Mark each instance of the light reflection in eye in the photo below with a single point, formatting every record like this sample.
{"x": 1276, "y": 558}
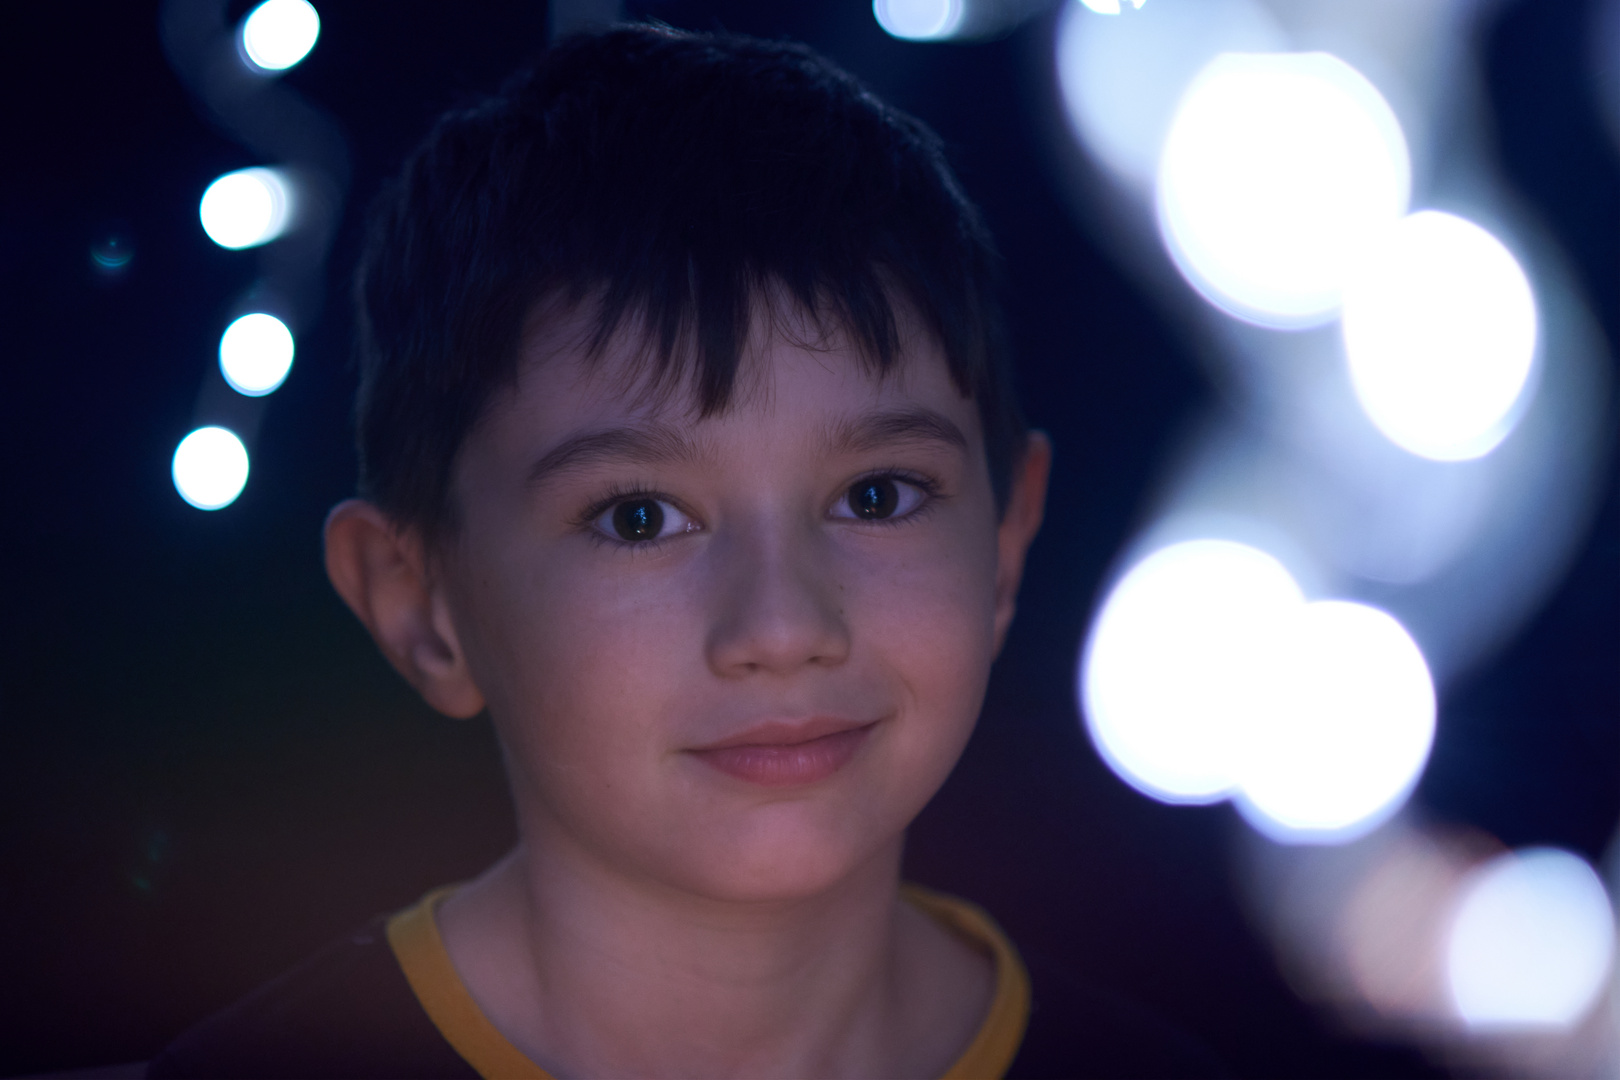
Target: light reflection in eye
{"x": 879, "y": 498}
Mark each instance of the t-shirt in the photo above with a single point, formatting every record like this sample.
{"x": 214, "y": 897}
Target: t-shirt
{"x": 387, "y": 1002}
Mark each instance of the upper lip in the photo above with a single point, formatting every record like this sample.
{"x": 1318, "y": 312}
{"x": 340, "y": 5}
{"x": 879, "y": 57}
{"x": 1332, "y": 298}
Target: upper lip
{"x": 787, "y": 732}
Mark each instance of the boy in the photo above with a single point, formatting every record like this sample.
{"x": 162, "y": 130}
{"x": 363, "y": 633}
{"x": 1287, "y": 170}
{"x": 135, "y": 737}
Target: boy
{"x": 688, "y": 454}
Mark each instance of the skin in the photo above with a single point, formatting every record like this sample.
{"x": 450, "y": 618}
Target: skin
{"x": 659, "y": 916}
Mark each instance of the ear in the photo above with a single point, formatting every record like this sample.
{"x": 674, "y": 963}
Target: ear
{"x": 382, "y": 573}
{"x": 1026, "y": 505}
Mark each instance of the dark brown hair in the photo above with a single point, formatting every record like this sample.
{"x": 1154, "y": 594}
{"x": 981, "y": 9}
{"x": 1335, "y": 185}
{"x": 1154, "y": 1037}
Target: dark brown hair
{"x": 673, "y": 178}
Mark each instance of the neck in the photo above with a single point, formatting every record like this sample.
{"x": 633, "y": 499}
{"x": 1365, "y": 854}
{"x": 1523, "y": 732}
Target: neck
{"x": 589, "y": 973}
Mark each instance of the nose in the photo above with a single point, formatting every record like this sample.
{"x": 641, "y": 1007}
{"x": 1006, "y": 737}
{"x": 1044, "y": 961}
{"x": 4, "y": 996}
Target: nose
{"x": 777, "y": 606}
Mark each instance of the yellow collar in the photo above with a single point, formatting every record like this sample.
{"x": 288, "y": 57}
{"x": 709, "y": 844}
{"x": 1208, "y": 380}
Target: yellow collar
{"x": 414, "y": 936}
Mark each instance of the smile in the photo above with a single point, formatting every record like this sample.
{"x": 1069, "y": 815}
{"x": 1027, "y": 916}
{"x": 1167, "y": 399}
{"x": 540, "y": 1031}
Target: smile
{"x": 786, "y": 755}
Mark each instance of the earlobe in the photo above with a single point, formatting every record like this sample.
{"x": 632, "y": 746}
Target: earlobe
{"x": 381, "y": 572}
{"x": 1026, "y": 506}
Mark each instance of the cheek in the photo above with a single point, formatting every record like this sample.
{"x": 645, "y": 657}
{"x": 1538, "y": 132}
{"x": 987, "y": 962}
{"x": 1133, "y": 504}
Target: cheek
{"x": 929, "y": 619}
{"x": 578, "y": 666}
{"x": 932, "y": 609}
{"x": 600, "y": 643}
{"x": 592, "y": 668}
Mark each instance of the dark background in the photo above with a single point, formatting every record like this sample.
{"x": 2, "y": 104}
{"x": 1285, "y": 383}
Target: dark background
{"x": 206, "y": 770}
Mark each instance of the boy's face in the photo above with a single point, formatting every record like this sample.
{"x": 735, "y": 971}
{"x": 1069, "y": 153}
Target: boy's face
{"x": 734, "y": 655}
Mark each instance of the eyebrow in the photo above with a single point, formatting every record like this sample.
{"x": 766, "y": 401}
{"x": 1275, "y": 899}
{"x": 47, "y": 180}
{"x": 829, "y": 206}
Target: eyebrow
{"x": 662, "y": 444}
{"x": 876, "y": 430}
{"x": 649, "y": 444}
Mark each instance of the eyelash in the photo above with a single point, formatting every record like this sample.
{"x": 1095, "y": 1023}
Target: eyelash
{"x": 587, "y": 520}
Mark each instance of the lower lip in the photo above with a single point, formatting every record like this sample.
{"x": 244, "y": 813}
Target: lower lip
{"x": 787, "y": 766}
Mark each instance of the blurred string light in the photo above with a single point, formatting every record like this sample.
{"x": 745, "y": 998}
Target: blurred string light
{"x": 1109, "y": 7}
{"x": 255, "y": 354}
{"x": 278, "y": 34}
{"x": 1207, "y": 676}
{"x": 246, "y": 208}
{"x": 1439, "y": 330}
{"x": 229, "y": 69}
{"x": 1531, "y": 942}
{"x": 1277, "y": 169}
{"x": 919, "y": 20}
{"x": 1121, "y": 78}
{"x": 210, "y": 468}
{"x": 1376, "y": 455}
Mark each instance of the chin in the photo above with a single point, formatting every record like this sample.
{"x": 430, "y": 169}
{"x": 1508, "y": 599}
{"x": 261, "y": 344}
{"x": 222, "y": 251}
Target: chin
{"x": 784, "y": 858}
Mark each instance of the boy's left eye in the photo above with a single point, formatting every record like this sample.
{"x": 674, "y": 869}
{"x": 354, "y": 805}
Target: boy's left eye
{"x": 636, "y": 521}
{"x": 877, "y": 498}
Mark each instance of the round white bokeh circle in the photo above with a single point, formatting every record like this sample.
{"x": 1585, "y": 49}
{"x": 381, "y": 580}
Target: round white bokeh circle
{"x": 1440, "y": 335}
{"x": 1276, "y": 169}
{"x": 279, "y": 33}
{"x": 919, "y": 20}
{"x": 1350, "y": 729}
{"x": 210, "y": 468}
{"x": 1531, "y": 941}
{"x": 256, "y": 353}
{"x": 246, "y": 208}
{"x": 1179, "y": 657}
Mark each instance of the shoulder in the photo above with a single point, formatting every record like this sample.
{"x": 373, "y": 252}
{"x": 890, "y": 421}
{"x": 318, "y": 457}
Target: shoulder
{"x": 347, "y": 1011}
{"x": 1077, "y": 1028}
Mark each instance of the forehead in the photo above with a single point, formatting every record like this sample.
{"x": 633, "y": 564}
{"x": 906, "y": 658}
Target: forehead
{"x": 794, "y": 369}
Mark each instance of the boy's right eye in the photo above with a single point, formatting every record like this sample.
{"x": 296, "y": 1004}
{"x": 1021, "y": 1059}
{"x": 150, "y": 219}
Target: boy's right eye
{"x": 636, "y": 521}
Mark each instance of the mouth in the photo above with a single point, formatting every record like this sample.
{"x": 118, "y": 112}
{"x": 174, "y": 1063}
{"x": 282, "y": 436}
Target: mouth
{"x": 778, "y": 754}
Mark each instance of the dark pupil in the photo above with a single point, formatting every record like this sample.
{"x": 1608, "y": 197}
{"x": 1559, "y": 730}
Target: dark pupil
{"x": 642, "y": 519}
{"x": 873, "y": 499}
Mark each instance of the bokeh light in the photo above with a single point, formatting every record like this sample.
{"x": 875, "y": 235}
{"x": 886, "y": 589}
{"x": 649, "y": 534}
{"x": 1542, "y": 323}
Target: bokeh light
{"x": 919, "y": 20}
{"x": 1179, "y": 659}
{"x": 1207, "y": 675}
{"x": 1531, "y": 942}
{"x": 1440, "y": 334}
{"x": 1121, "y": 78}
{"x": 245, "y": 208}
{"x": 1352, "y": 729}
{"x": 279, "y": 33}
{"x": 1276, "y": 170}
{"x": 210, "y": 468}
{"x": 1109, "y": 7}
{"x": 255, "y": 354}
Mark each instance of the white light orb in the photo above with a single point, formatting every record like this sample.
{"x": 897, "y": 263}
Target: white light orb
{"x": 255, "y": 354}
{"x": 1440, "y": 334}
{"x": 1180, "y": 656}
{"x": 1351, "y": 729}
{"x": 1530, "y": 943}
{"x": 1121, "y": 78}
{"x": 210, "y": 468}
{"x": 1276, "y": 169}
{"x": 279, "y": 33}
{"x": 246, "y": 208}
{"x": 1108, "y": 7}
{"x": 919, "y": 20}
